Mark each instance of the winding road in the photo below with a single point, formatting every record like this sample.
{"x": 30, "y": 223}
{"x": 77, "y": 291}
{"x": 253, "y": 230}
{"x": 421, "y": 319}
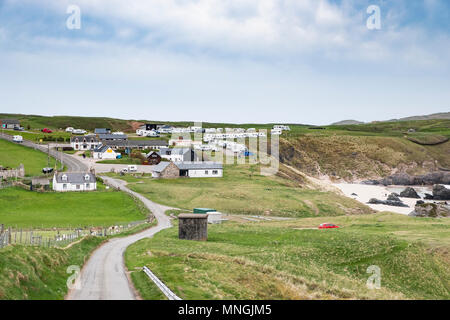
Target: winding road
{"x": 104, "y": 275}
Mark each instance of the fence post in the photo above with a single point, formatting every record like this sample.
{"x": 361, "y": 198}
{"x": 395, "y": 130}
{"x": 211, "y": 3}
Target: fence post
{"x": 9, "y": 235}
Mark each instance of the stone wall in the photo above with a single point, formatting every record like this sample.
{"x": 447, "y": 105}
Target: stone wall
{"x": 171, "y": 171}
{"x": 12, "y": 173}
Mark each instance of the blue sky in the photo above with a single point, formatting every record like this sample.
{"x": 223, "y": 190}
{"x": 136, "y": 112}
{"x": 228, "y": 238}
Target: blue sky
{"x": 295, "y": 61}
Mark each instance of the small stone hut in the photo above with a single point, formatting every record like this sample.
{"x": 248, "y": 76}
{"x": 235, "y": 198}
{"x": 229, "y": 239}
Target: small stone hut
{"x": 193, "y": 226}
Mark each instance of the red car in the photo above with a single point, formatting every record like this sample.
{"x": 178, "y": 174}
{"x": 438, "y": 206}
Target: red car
{"x": 47, "y": 130}
{"x": 328, "y": 226}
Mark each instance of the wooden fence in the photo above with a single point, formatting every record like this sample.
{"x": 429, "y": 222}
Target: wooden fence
{"x": 53, "y": 237}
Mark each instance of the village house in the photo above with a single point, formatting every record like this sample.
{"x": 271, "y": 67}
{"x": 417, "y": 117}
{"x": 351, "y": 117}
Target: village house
{"x": 74, "y": 181}
{"x": 102, "y": 131}
{"x": 104, "y": 152}
{"x": 10, "y": 123}
{"x": 89, "y": 142}
{"x": 179, "y": 154}
{"x": 193, "y": 169}
{"x": 137, "y": 144}
{"x": 153, "y": 158}
{"x": 106, "y": 137}
{"x": 200, "y": 169}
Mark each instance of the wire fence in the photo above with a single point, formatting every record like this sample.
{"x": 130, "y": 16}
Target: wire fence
{"x": 54, "y": 237}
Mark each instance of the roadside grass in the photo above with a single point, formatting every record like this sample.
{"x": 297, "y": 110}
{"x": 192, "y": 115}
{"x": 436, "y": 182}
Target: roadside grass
{"x": 275, "y": 260}
{"x": 36, "y": 273}
{"x": 23, "y": 209}
{"x": 243, "y": 190}
{"x": 12, "y": 155}
{"x": 39, "y": 273}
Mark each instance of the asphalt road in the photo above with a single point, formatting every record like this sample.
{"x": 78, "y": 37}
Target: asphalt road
{"x": 104, "y": 277}
{"x": 73, "y": 165}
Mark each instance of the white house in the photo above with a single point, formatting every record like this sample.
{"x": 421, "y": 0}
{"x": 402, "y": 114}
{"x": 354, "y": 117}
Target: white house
{"x": 74, "y": 181}
{"x": 200, "y": 169}
{"x": 104, "y": 152}
{"x": 89, "y": 142}
{"x": 192, "y": 169}
{"x": 179, "y": 154}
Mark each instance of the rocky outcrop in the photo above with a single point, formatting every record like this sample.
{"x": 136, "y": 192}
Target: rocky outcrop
{"x": 409, "y": 193}
{"x": 431, "y": 210}
{"x": 437, "y": 177}
{"x": 394, "y": 197}
{"x": 441, "y": 193}
{"x": 388, "y": 202}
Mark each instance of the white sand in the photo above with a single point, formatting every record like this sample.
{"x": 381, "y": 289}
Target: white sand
{"x": 366, "y": 192}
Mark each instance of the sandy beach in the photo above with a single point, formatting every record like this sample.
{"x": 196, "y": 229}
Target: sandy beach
{"x": 365, "y": 192}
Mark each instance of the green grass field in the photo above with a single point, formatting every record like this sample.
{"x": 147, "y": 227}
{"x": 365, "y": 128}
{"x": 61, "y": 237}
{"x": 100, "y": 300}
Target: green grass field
{"x": 244, "y": 190}
{"x": 288, "y": 260}
{"x": 12, "y": 155}
{"x": 21, "y": 208}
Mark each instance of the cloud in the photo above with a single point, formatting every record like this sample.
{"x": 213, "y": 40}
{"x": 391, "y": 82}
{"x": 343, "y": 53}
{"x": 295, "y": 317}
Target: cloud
{"x": 165, "y": 56}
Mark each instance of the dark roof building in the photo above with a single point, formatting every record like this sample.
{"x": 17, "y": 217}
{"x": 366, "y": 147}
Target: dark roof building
{"x": 109, "y": 136}
{"x": 10, "y": 123}
{"x": 75, "y": 177}
{"x": 198, "y": 165}
{"x": 137, "y": 144}
{"x": 102, "y": 131}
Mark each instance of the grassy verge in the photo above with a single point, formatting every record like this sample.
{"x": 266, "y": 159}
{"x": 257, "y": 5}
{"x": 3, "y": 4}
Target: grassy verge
{"x": 289, "y": 260}
{"x": 243, "y": 190}
{"x": 40, "y": 273}
{"x": 12, "y": 155}
{"x": 23, "y": 208}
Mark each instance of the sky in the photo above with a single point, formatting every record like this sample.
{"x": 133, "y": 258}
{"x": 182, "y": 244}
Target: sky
{"x": 238, "y": 61}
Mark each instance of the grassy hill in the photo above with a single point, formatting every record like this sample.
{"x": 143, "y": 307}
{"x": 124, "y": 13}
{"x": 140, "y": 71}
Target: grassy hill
{"x": 244, "y": 190}
{"x": 62, "y": 122}
{"x": 368, "y": 150}
{"x": 294, "y": 260}
{"x": 12, "y": 155}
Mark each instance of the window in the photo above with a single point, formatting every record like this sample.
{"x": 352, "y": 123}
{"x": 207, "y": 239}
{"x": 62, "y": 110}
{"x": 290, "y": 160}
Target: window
{"x": 86, "y": 177}
{"x": 215, "y": 172}
{"x": 64, "y": 177}
{"x": 206, "y": 171}
{"x": 65, "y": 186}
{"x": 78, "y": 187}
{"x": 88, "y": 186}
